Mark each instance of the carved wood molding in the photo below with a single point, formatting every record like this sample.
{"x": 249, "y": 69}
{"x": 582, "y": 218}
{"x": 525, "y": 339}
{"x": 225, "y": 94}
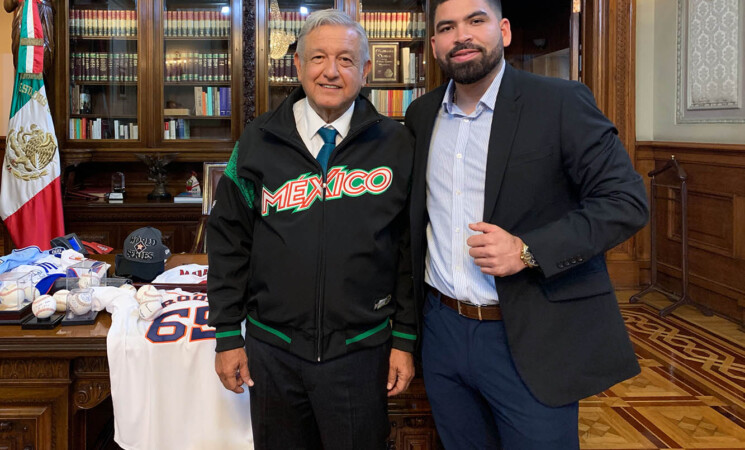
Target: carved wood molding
{"x": 609, "y": 70}
{"x": 88, "y": 394}
{"x": 249, "y": 60}
{"x": 102, "y": 214}
{"x": 622, "y": 78}
{"x": 31, "y": 369}
{"x": 722, "y": 155}
{"x": 96, "y": 365}
{"x": 692, "y": 146}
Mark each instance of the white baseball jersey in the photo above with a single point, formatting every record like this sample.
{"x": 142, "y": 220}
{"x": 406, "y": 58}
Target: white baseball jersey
{"x": 184, "y": 274}
{"x": 164, "y": 388}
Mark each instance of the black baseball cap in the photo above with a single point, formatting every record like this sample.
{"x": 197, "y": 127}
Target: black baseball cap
{"x": 144, "y": 255}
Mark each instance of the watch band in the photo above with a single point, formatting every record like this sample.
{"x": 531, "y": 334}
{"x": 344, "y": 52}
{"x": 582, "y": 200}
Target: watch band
{"x": 527, "y": 257}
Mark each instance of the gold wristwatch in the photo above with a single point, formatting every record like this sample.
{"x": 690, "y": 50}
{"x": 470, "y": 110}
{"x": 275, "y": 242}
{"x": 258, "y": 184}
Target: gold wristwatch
{"x": 527, "y": 257}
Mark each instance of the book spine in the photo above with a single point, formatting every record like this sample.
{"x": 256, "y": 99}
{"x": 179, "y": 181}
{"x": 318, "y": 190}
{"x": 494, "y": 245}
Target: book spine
{"x": 210, "y": 102}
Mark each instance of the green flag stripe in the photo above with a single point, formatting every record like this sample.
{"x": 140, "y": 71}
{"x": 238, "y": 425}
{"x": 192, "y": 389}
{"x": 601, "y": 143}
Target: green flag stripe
{"x": 24, "y": 18}
{"x": 22, "y": 55}
{"x": 24, "y": 89}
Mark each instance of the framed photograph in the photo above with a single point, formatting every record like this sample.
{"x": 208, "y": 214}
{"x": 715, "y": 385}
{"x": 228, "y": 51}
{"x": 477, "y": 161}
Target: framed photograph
{"x": 212, "y": 174}
{"x": 384, "y": 62}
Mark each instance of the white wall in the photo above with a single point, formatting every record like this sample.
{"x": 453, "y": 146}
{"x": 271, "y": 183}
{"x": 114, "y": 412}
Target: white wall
{"x": 656, "y": 75}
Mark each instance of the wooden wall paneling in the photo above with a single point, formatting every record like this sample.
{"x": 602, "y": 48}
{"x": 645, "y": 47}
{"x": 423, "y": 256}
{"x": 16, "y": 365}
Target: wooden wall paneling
{"x": 716, "y": 222}
{"x": 34, "y": 409}
{"x": 91, "y": 387}
{"x": 110, "y": 224}
{"x": 23, "y": 427}
{"x": 608, "y": 68}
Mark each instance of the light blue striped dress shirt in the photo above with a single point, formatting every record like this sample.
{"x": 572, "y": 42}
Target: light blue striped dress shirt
{"x": 456, "y": 173}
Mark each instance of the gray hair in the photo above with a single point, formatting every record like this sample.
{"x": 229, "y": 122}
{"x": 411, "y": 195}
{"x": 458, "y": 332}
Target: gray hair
{"x": 333, "y": 17}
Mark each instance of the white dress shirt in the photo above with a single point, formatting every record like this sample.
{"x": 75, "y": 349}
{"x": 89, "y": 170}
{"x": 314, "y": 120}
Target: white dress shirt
{"x": 308, "y": 122}
{"x": 456, "y": 173}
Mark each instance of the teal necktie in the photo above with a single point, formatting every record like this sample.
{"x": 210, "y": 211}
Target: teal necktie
{"x": 329, "y": 142}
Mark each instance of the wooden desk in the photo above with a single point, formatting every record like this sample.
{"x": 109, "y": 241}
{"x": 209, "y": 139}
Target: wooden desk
{"x": 49, "y": 378}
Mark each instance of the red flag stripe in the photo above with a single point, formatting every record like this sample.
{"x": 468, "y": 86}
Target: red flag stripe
{"x": 38, "y": 32}
{"x": 38, "y": 219}
{"x": 38, "y": 59}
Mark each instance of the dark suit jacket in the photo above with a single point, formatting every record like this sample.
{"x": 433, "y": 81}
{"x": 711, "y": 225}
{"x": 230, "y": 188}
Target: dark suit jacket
{"x": 558, "y": 177}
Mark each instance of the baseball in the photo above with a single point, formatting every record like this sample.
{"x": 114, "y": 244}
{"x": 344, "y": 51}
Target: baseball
{"x": 79, "y": 301}
{"x": 128, "y": 287}
{"x": 61, "y": 298}
{"x": 148, "y": 293}
{"x": 11, "y": 294}
{"x": 44, "y": 306}
{"x": 150, "y": 310}
{"x": 30, "y": 293}
{"x": 88, "y": 279}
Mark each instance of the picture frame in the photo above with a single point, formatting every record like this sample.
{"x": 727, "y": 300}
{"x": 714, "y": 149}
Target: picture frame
{"x": 213, "y": 171}
{"x": 384, "y": 56}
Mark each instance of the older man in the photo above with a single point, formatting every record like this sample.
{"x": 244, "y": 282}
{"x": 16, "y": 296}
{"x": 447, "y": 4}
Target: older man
{"x": 308, "y": 241}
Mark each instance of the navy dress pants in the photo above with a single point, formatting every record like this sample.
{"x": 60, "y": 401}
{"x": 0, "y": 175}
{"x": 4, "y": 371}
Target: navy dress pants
{"x": 477, "y": 396}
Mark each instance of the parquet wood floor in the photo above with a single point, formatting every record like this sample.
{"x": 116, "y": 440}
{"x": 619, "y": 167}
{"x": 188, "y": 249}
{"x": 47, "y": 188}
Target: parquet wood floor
{"x": 689, "y": 395}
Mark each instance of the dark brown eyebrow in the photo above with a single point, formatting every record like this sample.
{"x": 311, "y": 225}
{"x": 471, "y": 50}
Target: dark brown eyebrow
{"x": 480, "y": 12}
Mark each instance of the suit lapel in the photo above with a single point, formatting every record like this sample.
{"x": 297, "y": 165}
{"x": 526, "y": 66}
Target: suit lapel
{"x": 423, "y": 139}
{"x": 504, "y": 125}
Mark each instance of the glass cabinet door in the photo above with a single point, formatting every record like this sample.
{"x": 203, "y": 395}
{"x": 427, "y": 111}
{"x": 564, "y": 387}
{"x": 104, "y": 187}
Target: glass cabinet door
{"x": 285, "y": 18}
{"x": 103, "y": 70}
{"x": 197, "y": 84}
{"x": 397, "y": 33}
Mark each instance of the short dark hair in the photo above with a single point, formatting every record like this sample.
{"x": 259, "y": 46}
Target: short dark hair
{"x": 495, "y": 4}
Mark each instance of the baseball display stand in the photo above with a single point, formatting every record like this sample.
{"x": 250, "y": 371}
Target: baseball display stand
{"x": 678, "y": 184}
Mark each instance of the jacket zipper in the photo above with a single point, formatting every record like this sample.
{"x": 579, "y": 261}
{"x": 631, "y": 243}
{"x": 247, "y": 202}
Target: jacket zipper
{"x": 321, "y": 273}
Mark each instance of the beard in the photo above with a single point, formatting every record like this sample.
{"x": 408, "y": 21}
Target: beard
{"x": 471, "y": 71}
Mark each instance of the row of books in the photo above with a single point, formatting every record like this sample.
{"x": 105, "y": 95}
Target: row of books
{"x": 100, "y": 128}
{"x": 95, "y": 66}
{"x": 394, "y": 102}
{"x": 283, "y": 70}
{"x": 102, "y": 23}
{"x": 196, "y": 66}
{"x": 288, "y": 21}
{"x": 176, "y": 129}
{"x": 212, "y": 101}
{"x": 393, "y": 25}
{"x": 412, "y": 66}
{"x": 196, "y": 23}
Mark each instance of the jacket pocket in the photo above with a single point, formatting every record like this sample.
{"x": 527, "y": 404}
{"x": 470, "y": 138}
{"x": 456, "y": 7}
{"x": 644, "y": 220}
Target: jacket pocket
{"x": 517, "y": 158}
{"x": 589, "y": 280}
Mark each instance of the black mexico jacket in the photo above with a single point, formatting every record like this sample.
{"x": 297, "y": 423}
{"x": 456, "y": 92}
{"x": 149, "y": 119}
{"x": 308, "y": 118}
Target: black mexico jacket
{"x": 318, "y": 267}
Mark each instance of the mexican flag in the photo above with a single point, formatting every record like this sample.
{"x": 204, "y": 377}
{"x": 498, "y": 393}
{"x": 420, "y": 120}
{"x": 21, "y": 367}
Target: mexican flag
{"x": 30, "y": 194}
